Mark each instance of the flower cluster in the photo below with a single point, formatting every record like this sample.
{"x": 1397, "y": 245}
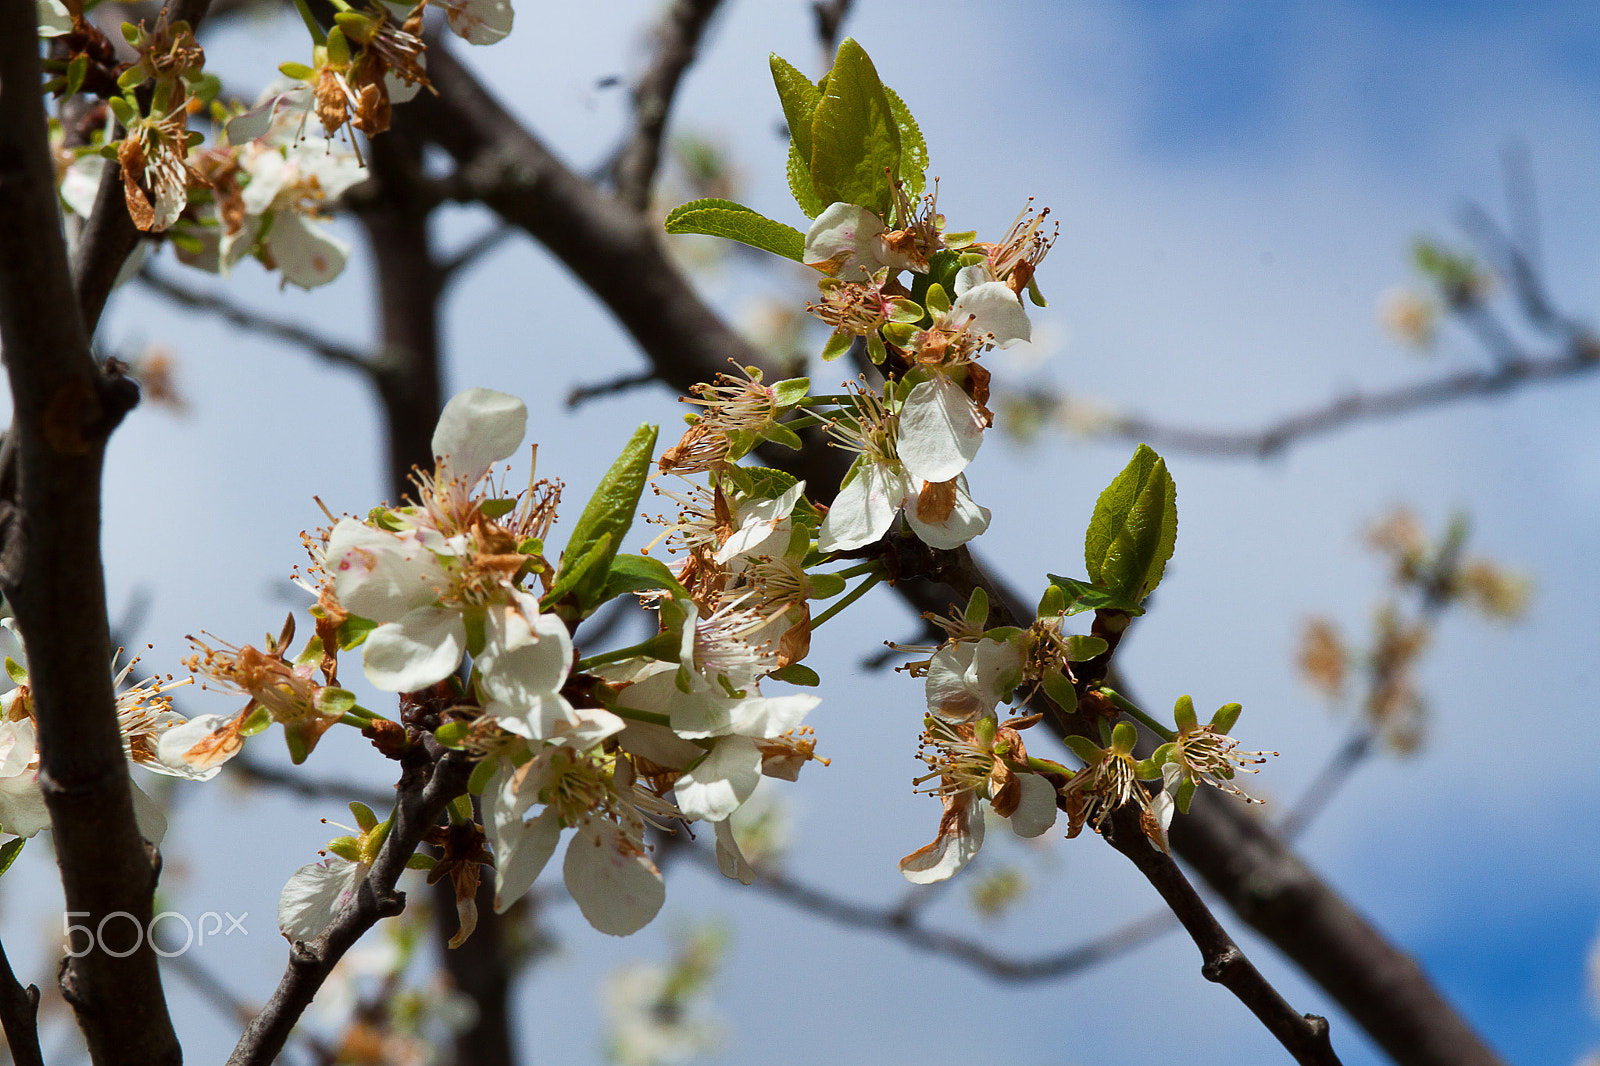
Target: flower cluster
{"x": 154, "y": 736}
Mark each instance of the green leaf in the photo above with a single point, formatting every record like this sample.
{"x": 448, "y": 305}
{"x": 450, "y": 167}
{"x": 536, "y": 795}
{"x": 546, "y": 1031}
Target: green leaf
{"x": 10, "y": 851}
{"x": 1134, "y": 528}
{"x": 736, "y": 222}
{"x": 495, "y": 508}
{"x": 1082, "y": 596}
{"x": 797, "y": 674}
{"x": 977, "y": 612}
{"x": 296, "y": 71}
{"x": 790, "y": 391}
{"x": 799, "y": 173}
{"x": 353, "y": 632}
{"x": 825, "y": 586}
{"x": 855, "y": 140}
{"x": 453, "y": 734}
{"x": 913, "y": 149}
{"x": 635, "y": 573}
{"x": 761, "y": 482}
{"x": 800, "y": 96}
{"x": 1080, "y": 649}
{"x": 609, "y": 514}
{"x": 571, "y": 575}
{"x": 1058, "y": 688}
{"x": 77, "y": 70}
{"x": 481, "y": 774}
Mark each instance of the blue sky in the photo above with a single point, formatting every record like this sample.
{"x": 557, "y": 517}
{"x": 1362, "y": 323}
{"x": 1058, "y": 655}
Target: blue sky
{"x": 1237, "y": 186}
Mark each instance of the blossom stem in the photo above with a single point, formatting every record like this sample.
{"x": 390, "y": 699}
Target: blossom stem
{"x": 653, "y": 717}
{"x": 649, "y": 649}
{"x": 1128, "y": 707}
{"x": 355, "y": 720}
{"x": 316, "y": 31}
{"x": 806, "y": 422}
{"x": 845, "y": 601}
{"x": 870, "y": 566}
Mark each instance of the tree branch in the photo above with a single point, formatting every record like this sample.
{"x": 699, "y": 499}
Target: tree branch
{"x": 676, "y": 42}
{"x": 64, "y": 410}
{"x": 424, "y": 792}
{"x": 253, "y": 321}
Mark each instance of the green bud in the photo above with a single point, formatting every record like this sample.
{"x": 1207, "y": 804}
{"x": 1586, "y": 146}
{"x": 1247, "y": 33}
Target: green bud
{"x": 363, "y": 816}
{"x": 1053, "y": 602}
{"x": 1084, "y": 748}
{"x": 1058, "y": 688}
{"x": 1183, "y": 714}
{"x": 1124, "y": 737}
{"x": 1225, "y": 717}
{"x": 977, "y": 613}
{"x": 984, "y": 730}
{"x": 346, "y": 848}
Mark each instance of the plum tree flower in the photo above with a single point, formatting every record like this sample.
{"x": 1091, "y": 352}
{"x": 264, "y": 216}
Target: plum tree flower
{"x": 878, "y": 487}
{"x": 607, "y": 868}
{"x": 316, "y": 892}
{"x": 443, "y": 560}
{"x": 852, "y": 243}
{"x": 972, "y": 762}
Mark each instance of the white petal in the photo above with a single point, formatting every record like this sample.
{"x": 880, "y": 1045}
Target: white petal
{"x": 966, "y": 521}
{"x": 730, "y": 860}
{"x": 521, "y": 851}
{"x": 615, "y": 884}
{"x": 864, "y": 509}
{"x": 846, "y": 232}
{"x": 147, "y": 814}
{"x": 949, "y": 695}
{"x": 379, "y": 575}
{"x": 423, "y": 647}
{"x": 761, "y": 528}
{"x": 479, "y": 21}
{"x": 477, "y": 428}
{"x": 960, "y": 837}
{"x": 269, "y": 173}
{"x": 18, "y": 745}
{"x": 22, "y": 809}
{"x": 658, "y": 744}
{"x": 306, "y": 254}
{"x": 81, "y": 184}
{"x": 524, "y": 663}
{"x": 769, "y": 716}
{"x": 314, "y": 894}
{"x": 188, "y": 749}
{"x": 940, "y": 430}
{"x": 1036, "y": 810}
{"x": 995, "y": 310}
{"x": 53, "y": 17}
{"x": 721, "y": 782}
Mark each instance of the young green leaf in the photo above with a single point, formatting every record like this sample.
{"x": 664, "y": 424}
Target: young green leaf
{"x": 855, "y": 140}
{"x": 913, "y": 149}
{"x": 1082, "y": 596}
{"x": 609, "y": 514}
{"x": 9, "y": 852}
{"x": 800, "y": 96}
{"x": 799, "y": 172}
{"x": 1134, "y": 528}
{"x": 736, "y": 222}
{"x": 636, "y": 573}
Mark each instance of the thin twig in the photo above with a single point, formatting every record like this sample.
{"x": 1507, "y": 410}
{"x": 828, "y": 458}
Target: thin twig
{"x": 474, "y": 250}
{"x": 1513, "y": 372}
{"x": 905, "y": 928}
{"x": 297, "y": 784}
{"x": 677, "y": 41}
{"x": 582, "y": 394}
{"x": 1305, "y": 1036}
{"x": 19, "y": 1013}
{"x": 253, "y": 321}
